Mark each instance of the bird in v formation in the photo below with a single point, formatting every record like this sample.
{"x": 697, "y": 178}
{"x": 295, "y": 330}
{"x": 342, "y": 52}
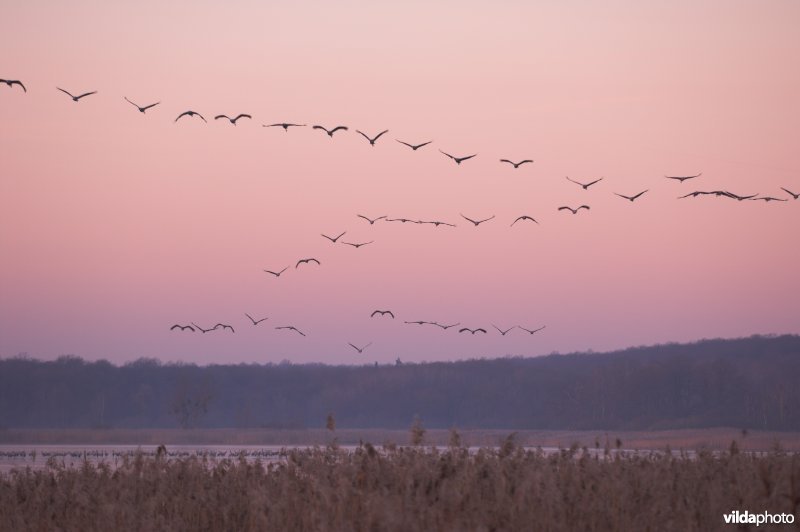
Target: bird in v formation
{"x": 473, "y": 331}
{"x": 523, "y": 217}
{"x": 459, "y": 160}
{"x": 792, "y": 194}
{"x": 631, "y": 198}
{"x": 573, "y": 211}
{"x": 306, "y": 261}
{"x": 359, "y": 349}
{"x": 371, "y": 220}
{"x": 330, "y": 132}
{"x": 516, "y": 165}
{"x": 190, "y": 114}
{"x": 357, "y": 244}
{"x": 139, "y": 107}
{"x": 414, "y": 147}
{"x": 477, "y": 222}
{"x": 291, "y": 328}
{"x": 503, "y": 332}
{"x": 277, "y": 274}
{"x": 12, "y": 82}
{"x": 372, "y": 140}
{"x": 332, "y": 239}
{"x": 75, "y": 98}
{"x": 531, "y": 331}
{"x": 683, "y": 178}
{"x": 255, "y": 321}
{"x": 284, "y": 125}
{"x": 584, "y": 185}
{"x": 233, "y": 120}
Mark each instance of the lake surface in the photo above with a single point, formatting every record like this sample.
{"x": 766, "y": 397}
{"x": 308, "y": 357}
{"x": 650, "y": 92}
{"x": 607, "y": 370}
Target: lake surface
{"x": 37, "y": 456}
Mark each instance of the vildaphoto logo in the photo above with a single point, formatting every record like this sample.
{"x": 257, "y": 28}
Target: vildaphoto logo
{"x": 764, "y": 518}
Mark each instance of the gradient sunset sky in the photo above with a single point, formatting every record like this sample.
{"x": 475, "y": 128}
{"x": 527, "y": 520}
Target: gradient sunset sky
{"x": 115, "y": 225}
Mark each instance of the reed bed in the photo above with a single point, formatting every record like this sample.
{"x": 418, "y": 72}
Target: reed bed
{"x": 407, "y": 489}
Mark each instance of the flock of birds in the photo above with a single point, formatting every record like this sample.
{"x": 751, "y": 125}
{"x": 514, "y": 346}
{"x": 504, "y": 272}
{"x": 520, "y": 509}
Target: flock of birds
{"x": 193, "y": 327}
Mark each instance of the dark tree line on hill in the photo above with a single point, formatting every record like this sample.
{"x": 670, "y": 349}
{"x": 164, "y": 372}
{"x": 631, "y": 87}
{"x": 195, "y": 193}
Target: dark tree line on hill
{"x": 746, "y": 383}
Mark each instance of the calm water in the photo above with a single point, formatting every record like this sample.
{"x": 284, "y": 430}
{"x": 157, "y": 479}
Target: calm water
{"x": 37, "y": 456}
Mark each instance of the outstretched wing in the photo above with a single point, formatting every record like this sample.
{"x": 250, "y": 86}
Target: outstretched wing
{"x": 65, "y": 92}
{"x": 86, "y": 94}
{"x": 151, "y": 105}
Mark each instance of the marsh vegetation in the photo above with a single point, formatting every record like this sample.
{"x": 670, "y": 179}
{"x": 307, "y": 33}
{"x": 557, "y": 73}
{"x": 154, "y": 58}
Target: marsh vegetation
{"x": 406, "y": 488}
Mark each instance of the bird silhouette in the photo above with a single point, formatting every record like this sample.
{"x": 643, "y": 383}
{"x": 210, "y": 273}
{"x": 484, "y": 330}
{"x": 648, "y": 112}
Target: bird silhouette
{"x": 224, "y": 326}
{"x": 584, "y": 185}
{"x": 445, "y": 327}
{"x": 333, "y": 239}
{"x": 181, "y": 327}
{"x": 478, "y": 222}
{"x": 516, "y": 165}
{"x": 418, "y": 322}
{"x": 403, "y": 220}
{"x": 277, "y": 274}
{"x": 357, "y": 245}
{"x": 695, "y": 194}
{"x": 284, "y": 125}
{"x": 330, "y": 132}
{"x": 382, "y": 313}
{"x": 768, "y": 199}
{"x": 306, "y": 261}
{"x": 473, "y": 331}
{"x": 524, "y": 217}
{"x": 740, "y": 198}
{"x": 529, "y": 331}
{"x": 373, "y": 139}
{"x": 631, "y": 198}
{"x": 458, "y": 160}
{"x": 190, "y": 113}
{"x": 683, "y": 178}
{"x": 140, "y": 108}
{"x": 12, "y": 82}
{"x": 574, "y": 211}
{"x": 75, "y": 98}
{"x": 437, "y": 223}
{"x": 359, "y": 349}
{"x": 792, "y": 194}
{"x": 255, "y": 321}
{"x": 233, "y": 120}
{"x": 414, "y": 147}
{"x": 501, "y": 331}
{"x": 291, "y": 328}
{"x": 371, "y": 221}
{"x": 203, "y": 330}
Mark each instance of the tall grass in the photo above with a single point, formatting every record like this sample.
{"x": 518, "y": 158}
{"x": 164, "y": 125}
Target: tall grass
{"x": 407, "y": 489}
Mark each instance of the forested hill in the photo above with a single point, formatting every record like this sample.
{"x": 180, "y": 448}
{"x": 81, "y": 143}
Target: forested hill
{"x": 745, "y": 383}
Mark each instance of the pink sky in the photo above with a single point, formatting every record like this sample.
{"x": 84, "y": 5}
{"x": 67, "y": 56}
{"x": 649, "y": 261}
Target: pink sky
{"x": 116, "y": 225}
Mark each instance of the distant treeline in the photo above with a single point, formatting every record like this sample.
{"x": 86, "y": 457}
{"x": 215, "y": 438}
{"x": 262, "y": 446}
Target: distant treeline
{"x": 747, "y": 383}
